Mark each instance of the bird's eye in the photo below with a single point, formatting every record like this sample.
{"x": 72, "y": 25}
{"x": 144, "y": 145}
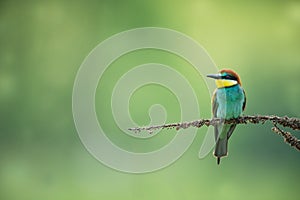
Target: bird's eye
{"x": 228, "y": 77}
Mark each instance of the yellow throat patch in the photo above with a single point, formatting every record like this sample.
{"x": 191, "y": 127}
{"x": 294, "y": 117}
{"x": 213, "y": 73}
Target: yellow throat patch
{"x": 221, "y": 83}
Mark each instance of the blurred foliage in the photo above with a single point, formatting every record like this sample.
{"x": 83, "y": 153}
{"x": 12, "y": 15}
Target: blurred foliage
{"x": 43, "y": 44}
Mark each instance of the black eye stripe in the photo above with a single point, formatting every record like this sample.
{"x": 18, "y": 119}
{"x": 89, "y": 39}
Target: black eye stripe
{"x": 229, "y": 77}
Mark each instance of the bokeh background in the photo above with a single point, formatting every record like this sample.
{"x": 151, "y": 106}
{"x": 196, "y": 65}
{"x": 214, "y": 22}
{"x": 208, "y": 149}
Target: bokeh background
{"x": 42, "y": 46}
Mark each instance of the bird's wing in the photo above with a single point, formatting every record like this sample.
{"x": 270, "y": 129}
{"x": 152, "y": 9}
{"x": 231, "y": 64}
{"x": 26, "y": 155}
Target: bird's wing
{"x": 215, "y": 104}
{"x": 244, "y": 103}
{"x": 230, "y": 131}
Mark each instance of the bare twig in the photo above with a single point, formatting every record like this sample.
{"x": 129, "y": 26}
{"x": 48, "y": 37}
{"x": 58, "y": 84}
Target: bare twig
{"x": 288, "y": 137}
{"x": 293, "y": 123}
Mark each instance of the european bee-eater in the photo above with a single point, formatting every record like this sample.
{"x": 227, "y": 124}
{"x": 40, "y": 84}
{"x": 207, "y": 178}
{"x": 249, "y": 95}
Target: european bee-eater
{"x": 228, "y": 102}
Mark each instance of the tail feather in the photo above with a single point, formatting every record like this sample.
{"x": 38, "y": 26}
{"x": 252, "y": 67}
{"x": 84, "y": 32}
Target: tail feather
{"x": 221, "y": 148}
{"x": 218, "y": 160}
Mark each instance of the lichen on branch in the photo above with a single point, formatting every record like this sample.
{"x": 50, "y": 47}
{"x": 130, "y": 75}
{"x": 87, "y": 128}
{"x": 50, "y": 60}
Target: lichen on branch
{"x": 293, "y": 123}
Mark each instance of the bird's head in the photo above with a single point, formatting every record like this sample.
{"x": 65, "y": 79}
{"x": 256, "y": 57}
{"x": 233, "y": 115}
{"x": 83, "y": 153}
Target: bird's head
{"x": 226, "y": 78}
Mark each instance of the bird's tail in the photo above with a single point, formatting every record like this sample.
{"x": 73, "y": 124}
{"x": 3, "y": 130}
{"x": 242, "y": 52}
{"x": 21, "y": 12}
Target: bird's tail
{"x": 221, "y": 148}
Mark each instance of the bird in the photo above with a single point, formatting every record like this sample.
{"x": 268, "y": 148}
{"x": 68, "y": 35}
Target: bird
{"x": 228, "y": 102}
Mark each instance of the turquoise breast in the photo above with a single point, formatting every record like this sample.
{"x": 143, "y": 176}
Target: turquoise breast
{"x": 230, "y": 102}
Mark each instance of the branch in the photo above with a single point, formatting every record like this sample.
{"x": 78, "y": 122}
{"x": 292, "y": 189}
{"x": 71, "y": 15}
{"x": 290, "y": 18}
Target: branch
{"x": 293, "y": 123}
{"x": 288, "y": 137}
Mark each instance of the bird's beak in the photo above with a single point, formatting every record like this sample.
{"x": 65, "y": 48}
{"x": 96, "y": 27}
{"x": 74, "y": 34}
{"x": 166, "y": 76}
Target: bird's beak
{"x": 214, "y": 76}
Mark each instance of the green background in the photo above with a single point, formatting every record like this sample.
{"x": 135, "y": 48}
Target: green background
{"x": 43, "y": 44}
